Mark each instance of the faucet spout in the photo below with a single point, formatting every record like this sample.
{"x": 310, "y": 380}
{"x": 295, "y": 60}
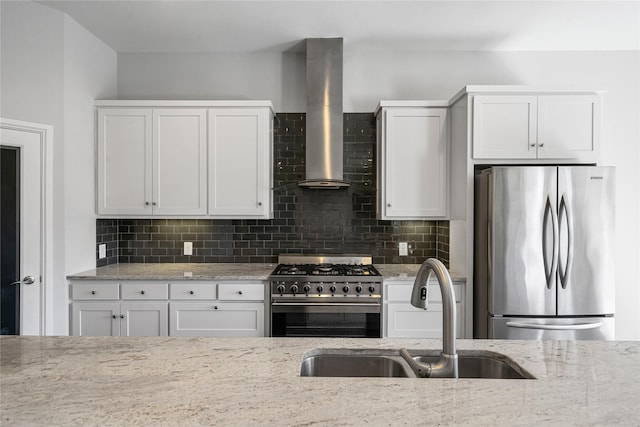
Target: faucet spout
{"x": 447, "y": 366}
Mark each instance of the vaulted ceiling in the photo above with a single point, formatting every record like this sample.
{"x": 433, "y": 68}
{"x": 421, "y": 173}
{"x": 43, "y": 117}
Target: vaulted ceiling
{"x": 185, "y": 26}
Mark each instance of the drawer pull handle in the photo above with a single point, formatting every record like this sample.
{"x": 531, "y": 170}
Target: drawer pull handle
{"x": 191, "y": 292}
{"x": 93, "y": 292}
{"x": 142, "y": 292}
{"x": 215, "y": 307}
{"x": 239, "y": 292}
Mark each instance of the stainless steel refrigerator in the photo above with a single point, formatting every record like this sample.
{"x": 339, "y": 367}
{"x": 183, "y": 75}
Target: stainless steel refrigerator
{"x": 544, "y": 253}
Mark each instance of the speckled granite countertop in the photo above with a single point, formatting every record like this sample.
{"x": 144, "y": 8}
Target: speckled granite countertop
{"x": 201, "y": 271}
{"x": 255, "y": 381}
{"x": 193, "y": 271}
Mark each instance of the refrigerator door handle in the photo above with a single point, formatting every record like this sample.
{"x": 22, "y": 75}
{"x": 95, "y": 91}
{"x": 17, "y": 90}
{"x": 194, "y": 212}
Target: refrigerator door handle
{"x": 577, "y": 326}
{"x": 566, "y": 270}
{"x": 550, "y": 273}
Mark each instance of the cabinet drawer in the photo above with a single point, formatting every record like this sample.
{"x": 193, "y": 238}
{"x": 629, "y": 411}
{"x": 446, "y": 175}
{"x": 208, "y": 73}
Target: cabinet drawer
{"x": 95, "y": 291}
{"x": 402, "y": 292}
{"x": 193, "y": 291}
{"x": 241, "y": 291}
{"x": 215, "y": 319}
{"x": 145, "y": 290}
{"x": 407, "y": 321}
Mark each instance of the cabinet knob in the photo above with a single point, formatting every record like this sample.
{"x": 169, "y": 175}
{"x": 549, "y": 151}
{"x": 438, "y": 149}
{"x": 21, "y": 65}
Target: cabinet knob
{"x": 388, "y": 205}
{"x": 541, "y": 144}
{"x": 93, "y": 292}
{"x": 153, "y": 203}
{"x": 146, "y": 203}
{"x": 259, "y": 203}
{"x": 122, "y": 316}
{"x": 191, "y": 292}
{"x": 532, "y": 144}
{"x": 114, "y": 316}
{"x": 239, "y": 292}
{"x": 215, "y": 307}
{"x": 142, "y": 292}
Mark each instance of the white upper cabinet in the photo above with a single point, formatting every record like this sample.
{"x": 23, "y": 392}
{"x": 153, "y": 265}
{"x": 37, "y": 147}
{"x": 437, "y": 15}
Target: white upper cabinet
{"x": 180, "y": 162}
{"x": 124, "y": 161}
{"x": 185, "y": 158}
{"x": 240, "y": 171}
{"x": 530, "y": 127}
{"x": 413, "y": 173}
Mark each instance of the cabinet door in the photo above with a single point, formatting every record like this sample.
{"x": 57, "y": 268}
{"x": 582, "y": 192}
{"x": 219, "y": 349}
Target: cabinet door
{"x": 124, "y": 161}
{"x": 96, "y": 318}
{"x": 416, "y": 172}
{"x": 407, "y": 321}
{"x": 144, "y": 319}
{"x": 239, "y": 160}
{"x": 504, "y": 127}
{"x": 215, "y": 319}
{"x": 179, "y": 161}
{"x": 568, "y": 126}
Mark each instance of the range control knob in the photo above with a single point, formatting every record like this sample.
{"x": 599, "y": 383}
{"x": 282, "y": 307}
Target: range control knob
{"x": 372, "y": 289}
{"x": 358, "y": 289}
{"x": 306, "y": 289}
{"x": 294, "y": 289}
{"x": 320, "y": 288}
{"x": 345, "y": 289}
{"x": 332, "y": 289}
{"x": 280, "y": 289}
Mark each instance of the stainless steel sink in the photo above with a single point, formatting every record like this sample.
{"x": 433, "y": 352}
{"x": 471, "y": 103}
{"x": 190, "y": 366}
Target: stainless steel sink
{"x": 389, "y": 363}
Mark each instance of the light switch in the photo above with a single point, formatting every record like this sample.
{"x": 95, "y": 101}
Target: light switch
{"x": 188, "y": 248}
{"x": 102, "y": 251}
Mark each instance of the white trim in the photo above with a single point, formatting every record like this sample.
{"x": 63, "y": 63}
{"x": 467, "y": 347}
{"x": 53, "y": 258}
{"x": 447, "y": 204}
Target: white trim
{"x": 46, "y": 141}
{"x": 183, "y": 103}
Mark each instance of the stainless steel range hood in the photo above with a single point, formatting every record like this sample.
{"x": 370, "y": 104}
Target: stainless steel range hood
{"x": 324, "y": 151}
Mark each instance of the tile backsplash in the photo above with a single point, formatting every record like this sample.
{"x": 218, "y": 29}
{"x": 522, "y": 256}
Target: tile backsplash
{"x": 306, "y": 221}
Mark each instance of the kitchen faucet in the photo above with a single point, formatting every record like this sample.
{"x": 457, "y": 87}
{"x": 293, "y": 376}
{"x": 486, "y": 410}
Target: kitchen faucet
{"x": 447, "y": 366}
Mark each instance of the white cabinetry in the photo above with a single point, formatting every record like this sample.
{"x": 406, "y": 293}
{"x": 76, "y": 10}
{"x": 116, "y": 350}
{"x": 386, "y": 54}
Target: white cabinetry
{"x": 237, "y": 312}
{"x": 152, "y": 161}
{"x": 113, "y": 309}
{"x": 413, "y": 173}
{"x": 532, "y": 126}
{"x": 240, "y": 171}
{"x": 185, "y": 158}
{"x": 402, "y": 320}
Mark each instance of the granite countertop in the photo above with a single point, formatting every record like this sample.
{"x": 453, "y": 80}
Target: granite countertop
{"x": 203, "y": 271}
{"x": 184, "y": 271}
{"x": 255, "y": 381}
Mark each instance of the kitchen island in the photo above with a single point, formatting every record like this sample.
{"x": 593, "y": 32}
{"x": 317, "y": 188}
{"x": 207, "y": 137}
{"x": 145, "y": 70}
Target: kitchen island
{"x": 255, "y": 381}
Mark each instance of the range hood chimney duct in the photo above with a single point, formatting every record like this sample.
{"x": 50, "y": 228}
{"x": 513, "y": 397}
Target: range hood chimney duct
{"x": 324, "y": 151}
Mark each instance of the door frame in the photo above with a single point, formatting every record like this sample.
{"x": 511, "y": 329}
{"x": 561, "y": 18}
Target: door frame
{"x": 45, "y": 133}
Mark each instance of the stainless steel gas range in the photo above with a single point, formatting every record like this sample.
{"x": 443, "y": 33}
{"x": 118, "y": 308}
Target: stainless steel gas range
{"x": 326, "y": 296}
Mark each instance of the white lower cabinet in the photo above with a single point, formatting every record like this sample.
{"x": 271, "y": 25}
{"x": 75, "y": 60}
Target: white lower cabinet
{"x": 237, "y": 311}
{"x": 185, "y": 308}
{"x": 114, "y": 309}
{"x": 402, "y": 320}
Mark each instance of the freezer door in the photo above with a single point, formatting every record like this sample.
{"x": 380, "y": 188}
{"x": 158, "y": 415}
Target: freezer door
{"x": 582, "y": 328}
{"x": 522, "y": 218}
{"x": 586, "y": 276}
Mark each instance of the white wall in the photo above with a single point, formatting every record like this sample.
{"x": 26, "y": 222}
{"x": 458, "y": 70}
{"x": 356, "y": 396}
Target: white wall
{"x": 51, "y": 70}
{"x": 373, "y": 75}
{"x": 90, "y": 72}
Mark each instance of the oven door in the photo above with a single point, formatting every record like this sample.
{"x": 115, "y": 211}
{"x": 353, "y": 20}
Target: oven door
{"x": 361, "y": 320}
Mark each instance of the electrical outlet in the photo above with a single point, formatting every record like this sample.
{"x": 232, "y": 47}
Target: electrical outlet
{"x": 403, "y": 248}
{"x": 102, "y": 251}
{"x": 188, "y": 248}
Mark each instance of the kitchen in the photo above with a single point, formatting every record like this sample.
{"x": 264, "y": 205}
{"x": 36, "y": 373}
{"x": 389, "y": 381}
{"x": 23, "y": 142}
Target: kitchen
{"x": 281, "y": 79}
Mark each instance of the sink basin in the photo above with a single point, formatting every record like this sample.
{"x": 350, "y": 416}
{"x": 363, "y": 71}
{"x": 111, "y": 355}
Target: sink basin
{"x": 389, "y": 363}
{"x": 354, "y": 363}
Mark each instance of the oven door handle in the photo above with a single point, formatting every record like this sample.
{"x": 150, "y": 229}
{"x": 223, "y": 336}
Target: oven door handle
{"x": 293, "y": 307}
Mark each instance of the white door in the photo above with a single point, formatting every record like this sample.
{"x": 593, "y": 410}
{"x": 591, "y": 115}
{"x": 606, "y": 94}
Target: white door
{"x": 23, "y": 149}
{"x": 504, "y": 127}
{"x": 239, "y": 184}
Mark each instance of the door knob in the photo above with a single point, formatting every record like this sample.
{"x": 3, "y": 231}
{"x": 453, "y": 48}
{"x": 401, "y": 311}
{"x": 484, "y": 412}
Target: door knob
{"x": 28, "y": 280}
